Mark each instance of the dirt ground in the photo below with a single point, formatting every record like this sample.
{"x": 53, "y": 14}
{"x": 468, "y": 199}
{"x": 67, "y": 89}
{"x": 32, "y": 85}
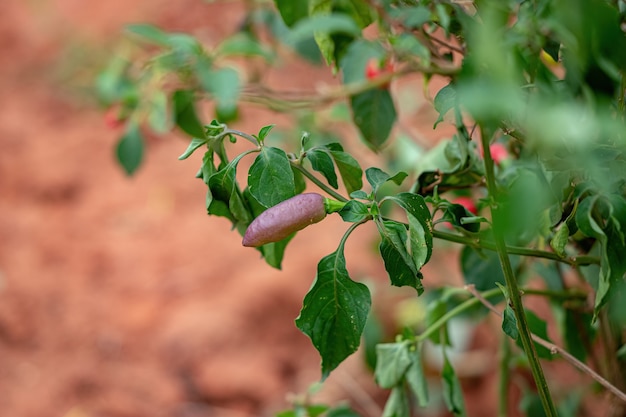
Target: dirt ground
{"x": 116, "y": 298}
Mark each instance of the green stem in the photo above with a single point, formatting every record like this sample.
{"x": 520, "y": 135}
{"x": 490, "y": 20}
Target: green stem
{"x": 517, "y": 250}
{"x": 505, "y": 375}
{"x": 464, "y": 306}
{"x": 556, "y": 295}
{"x": 317, "y": 182}
{"x": 239, "y": 133}
{"x": 471, "y": 302}
{"x": 348, "y": 232}
{"x": 515, "y": 298}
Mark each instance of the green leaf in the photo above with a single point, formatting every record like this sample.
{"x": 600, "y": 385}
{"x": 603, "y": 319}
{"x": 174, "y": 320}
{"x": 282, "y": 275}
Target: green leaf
{"x": 408, "y": 44}
{"x": 355, "y": 60}
{"x": 341, "y": 411}
{"x": 444, "y": 17}
{"x": 374, "y": 114}
{"x": 224, "y": 86}
{"x": 392, "y": 362}
{"x": 412, "y": 17}
{"x": 420, "y": 226}
{"x": 483, "y": 268}
{"x": 270, "y": 178}
{"x": 334, "y": 312}
{"x": 452, "y": 391}
{"x": 323, "y": 25}
{"x": 242, "y": 44}
{"x": 322, "y": 162}
{"x": 559, "y": 240}
{"x": 451, "y": 163}
{"x": 360, "y": 194}
{"x": 292, "y": 11}
{"x": 354, "y": 211}
{"x": 399, "y": 177}
{"x": 225, "y": 193}
{"x": 184, "y": 46}
{"x": 113, "y": 83}
{"x": 416, "y": 378}
{"x": 445, "y": 100}
{"x": 577, "y": 333}
{"x": 349, "y": 169}
{"x": 530, "y": 405}
{"x": 376, "y": 177}
{"x": 185, "y": 113}
{"x": 540, "y": 328}
{"x": 360, "y": 11}
{"x": 436, "y": 309}
{"x": 299, "y": 181}
{"x": 193, "y": 145}
{"x": 373, "y": 334}
{"x": 274, "y": 252}
{"x": 129, "y": 150}
{"x": 150, "y": 33}
{"x": 399, "y": 263}
{"x": 214, "y": 207}
{"x": 509, "y": 323}
{"x": 208, "y": 166}
{"x": 397, "y": 404}
{"x": 611, "y": 212}
{"x": 265, "y": 130}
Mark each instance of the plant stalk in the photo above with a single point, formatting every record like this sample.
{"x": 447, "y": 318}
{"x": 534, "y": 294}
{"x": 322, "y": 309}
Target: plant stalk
{"x": 516, "y": 250}
{"x": 505, "y": 375}
{"x": 317, "y": 182}
{"x": 515, "y": 298}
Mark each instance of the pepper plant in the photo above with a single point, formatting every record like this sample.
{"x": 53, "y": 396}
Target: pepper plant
{"x": 533, "y": 182}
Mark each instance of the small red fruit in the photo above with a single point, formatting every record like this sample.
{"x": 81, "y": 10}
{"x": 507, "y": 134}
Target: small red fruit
{"x": 372, "y": 69}
{"x": 375, "y": 68}
{"x": 113, "y": 118}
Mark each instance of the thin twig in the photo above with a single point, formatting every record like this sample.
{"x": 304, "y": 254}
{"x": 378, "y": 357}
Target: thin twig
{"x": 555, "y": 349}
{"x": 291, "y": 100}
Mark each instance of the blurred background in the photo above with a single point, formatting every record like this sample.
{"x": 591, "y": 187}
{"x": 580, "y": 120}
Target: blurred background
{"x": 116, "y": 297}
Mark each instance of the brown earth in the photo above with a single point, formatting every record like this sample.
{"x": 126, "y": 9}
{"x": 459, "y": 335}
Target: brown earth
{"x": 119, "y": 297}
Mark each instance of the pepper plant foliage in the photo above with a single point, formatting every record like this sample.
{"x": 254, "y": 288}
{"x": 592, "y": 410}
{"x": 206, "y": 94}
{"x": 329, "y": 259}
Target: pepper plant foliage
{"x": 540, "y": 80}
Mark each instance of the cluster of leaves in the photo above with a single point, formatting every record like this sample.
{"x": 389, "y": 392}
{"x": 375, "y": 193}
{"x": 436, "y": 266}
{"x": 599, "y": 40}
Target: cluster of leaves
{"x": 543, "y": 80}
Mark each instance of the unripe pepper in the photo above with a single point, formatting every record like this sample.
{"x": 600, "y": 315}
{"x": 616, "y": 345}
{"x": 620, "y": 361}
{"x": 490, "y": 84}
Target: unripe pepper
{"x": 285, "y": 218}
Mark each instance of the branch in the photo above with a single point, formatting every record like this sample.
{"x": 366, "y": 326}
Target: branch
{"x": 573, "y": 261}
{"x": 554, "y": 349}
{"x": 291, "y": 100}
{"x": 515, "y": 298}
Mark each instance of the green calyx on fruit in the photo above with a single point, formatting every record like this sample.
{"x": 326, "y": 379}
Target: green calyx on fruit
{"x": 278, "y": 222}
